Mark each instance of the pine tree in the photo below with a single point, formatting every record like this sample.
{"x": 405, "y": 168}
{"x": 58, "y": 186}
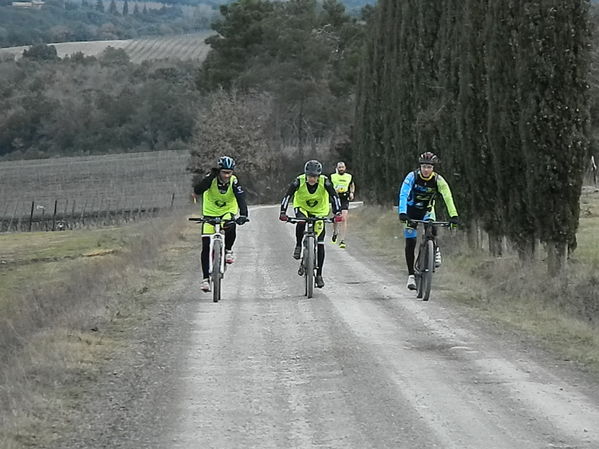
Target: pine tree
{"x": 99, "y": 6}
{"x": 126, "y": 8}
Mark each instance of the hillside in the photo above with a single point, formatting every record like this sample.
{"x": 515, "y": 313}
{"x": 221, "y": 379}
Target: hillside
{"x": 92, "y": 184}
{"x": 184, "y": 47}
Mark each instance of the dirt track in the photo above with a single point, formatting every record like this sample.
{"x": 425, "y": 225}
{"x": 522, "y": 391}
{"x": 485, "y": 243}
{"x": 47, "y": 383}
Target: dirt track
{"x": 361, "y": 365}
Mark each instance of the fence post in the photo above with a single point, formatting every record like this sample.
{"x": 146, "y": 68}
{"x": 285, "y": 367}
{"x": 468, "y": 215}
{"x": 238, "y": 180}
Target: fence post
{"x": 54, "y": 215}
{"x": 139, "y": 209}
{"x": 31, "y": 215}
{"x": 172, "y": 200}
{"x": 72, "y": 217}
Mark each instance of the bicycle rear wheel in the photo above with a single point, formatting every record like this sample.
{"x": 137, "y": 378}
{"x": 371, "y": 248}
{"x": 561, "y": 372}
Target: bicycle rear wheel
{"x": 426, "y": 279}
{"x": 216, "y": 274}
{"x": 309, "y": 266}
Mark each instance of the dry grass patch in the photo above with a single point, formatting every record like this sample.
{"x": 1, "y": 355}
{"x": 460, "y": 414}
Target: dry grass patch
{"x": 63, "y": 313}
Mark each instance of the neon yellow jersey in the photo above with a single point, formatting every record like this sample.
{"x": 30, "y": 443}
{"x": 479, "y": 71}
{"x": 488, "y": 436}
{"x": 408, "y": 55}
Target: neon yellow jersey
{"x": 316, "y": 203}
{"x": 342, "y": 182}
{"x": 217, "y": 204}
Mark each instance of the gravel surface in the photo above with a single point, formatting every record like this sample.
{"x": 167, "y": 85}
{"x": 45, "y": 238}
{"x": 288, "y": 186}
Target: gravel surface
{"x": 363, "y": 364}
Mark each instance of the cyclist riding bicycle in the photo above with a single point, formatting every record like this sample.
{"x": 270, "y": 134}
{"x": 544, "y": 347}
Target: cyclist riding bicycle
{"x": 222, "y": 196}
{"x": 313, "y": 194}
{"x": 345, "y": 187}
{"x": 417, "y": 197}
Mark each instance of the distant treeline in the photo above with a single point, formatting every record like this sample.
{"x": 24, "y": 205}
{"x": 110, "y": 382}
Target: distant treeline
{"x": 85, "y": 105}
{"x": 296, "y": 61}
{"x": 59, "y": 21}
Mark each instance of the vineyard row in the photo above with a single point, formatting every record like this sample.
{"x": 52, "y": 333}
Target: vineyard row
{"x": 66, "y": 215}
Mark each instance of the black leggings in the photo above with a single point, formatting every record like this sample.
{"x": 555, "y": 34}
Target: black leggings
{"x": 230, "y": 235}
{"x": 299, "y": 236}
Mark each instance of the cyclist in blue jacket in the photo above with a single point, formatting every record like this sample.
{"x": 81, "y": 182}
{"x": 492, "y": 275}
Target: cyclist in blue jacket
{"x": 417, "y": 196}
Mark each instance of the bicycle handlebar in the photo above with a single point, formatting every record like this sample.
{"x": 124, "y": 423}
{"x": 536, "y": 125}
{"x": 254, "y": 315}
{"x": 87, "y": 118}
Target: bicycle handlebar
{"x": 431, "y": 222}
{"x": 214, "y": 220}
{"x": 309, "y": 220}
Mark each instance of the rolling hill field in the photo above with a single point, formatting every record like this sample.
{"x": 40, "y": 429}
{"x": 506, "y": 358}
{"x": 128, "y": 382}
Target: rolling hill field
{"x": 184, "y": 47}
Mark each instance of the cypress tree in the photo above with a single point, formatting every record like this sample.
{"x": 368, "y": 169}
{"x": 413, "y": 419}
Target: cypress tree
{"x": 554, "y": 114}
{"x": 112, "y": 8}
{"x": 498, "y": 89}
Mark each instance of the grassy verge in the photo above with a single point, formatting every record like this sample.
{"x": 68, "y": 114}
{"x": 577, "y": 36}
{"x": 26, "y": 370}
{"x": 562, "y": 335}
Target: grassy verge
{"x": 563, "y": 317}
{"x": 68, "y": 301}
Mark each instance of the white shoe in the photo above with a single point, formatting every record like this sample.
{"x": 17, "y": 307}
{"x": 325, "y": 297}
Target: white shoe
{"x": 438, "y": 257}
{"x": 229, "y": 257}
{"x": 205, "y": 285}
{"x": 411, "y": 282}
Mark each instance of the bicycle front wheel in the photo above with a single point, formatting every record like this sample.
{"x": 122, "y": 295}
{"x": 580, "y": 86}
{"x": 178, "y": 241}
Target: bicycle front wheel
{"x": 309, "y": 266}
{"x": 216, "y": 274}
{"x": 426, "y": 278}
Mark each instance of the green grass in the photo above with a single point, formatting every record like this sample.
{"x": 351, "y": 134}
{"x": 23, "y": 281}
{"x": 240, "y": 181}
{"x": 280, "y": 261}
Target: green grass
{"x": 588, "y": 232}
{"x": 46, "y": 259}
{"x": 562, "y": 317}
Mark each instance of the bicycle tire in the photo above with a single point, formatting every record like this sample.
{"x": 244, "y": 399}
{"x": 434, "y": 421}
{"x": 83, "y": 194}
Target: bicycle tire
{"x": 216, "y": 274}
{"x": 429, "y": 266}
{"x": 417, "y": 271}
{"x": 309, "y": 268}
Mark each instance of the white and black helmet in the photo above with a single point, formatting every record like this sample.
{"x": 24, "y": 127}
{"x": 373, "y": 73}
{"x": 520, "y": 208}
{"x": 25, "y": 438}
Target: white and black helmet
{"x": 313, "y": 168}
{"x": 226, "y": 163}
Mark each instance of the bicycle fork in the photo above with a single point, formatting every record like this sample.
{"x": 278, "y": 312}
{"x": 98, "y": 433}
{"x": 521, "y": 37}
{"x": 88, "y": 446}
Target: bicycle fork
{"x": 221, "y": 268}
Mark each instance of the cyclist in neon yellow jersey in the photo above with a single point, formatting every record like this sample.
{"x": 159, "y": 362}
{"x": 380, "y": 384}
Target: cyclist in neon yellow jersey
{"x": 344, "y": 185}
{"x": 313, "y": 195}
{"x": 222, "y": 196}
{"x": 417, "y": 196}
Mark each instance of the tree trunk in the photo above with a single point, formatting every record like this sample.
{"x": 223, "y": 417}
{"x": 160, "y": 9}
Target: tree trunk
{"x": 527, "y": 251}
{"x": 556, "y": 258}
{"x": 496, "y": 245}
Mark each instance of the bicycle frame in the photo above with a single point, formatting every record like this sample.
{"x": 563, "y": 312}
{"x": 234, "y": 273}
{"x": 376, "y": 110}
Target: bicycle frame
{"x": 309, "y": 262}
{"x": 217, "y": 252}
{"x": 424, "y": 265}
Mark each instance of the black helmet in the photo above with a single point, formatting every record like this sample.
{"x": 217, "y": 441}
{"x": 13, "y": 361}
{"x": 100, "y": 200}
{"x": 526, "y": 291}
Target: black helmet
{"x": 226, "y": 163}
{"x": 313, "y": 168}
{"x": 428, "y": 158}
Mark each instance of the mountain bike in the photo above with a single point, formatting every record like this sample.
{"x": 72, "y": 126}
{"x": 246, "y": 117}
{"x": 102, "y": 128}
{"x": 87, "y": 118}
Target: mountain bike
{"x": 217, "y": 265}
{"x": 309, "y": 261}
{"x": 424, "y": 265}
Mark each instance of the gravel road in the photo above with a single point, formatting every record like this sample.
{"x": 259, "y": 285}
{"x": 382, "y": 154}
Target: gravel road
{"x": 363, "y": 364}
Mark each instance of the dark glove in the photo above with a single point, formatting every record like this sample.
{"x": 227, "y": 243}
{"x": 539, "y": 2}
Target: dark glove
{"x": 454, "y": 221}
{"x": 338, "y": 218}
{"x": 404, "y": 217}
{"x": 283, "y": 217}
{"x": 242, "y": 219}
